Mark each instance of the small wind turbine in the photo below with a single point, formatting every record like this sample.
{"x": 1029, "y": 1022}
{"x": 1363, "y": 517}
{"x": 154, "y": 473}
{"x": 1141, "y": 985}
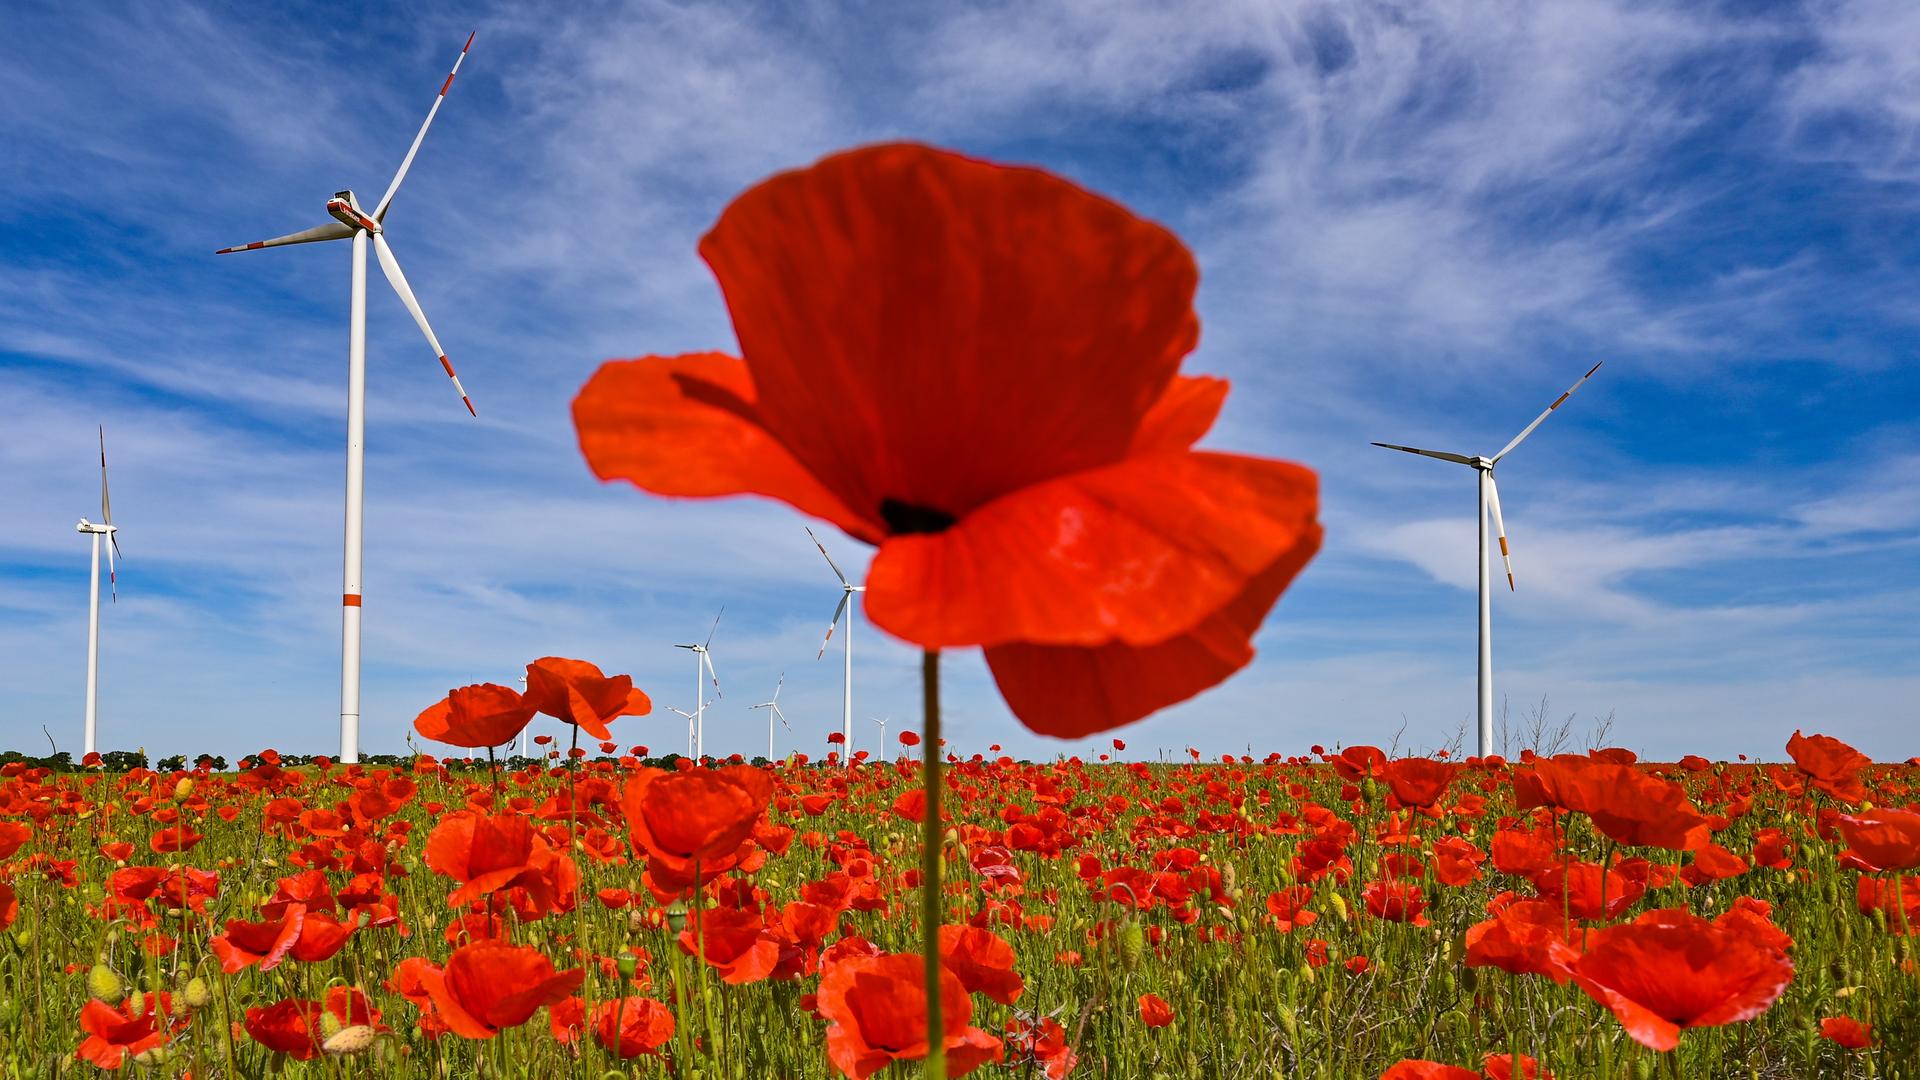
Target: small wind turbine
{"x": 107, "y": 529}
{"x": 689, "y": 716}
{"x": 703, "y": 659}
{"x": 883, "y": 733}
{"x": 523, "y": 731}
{"x": 773, "y": 704}
{"x": 847, "y": 589}
{"x": 1490, "y": 500}
{"x": 352, "y": 223}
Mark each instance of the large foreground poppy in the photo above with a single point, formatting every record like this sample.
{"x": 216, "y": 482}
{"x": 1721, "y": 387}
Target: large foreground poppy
{"x": 490, "y": 986}
{"x": 682, "y": 818}
{"x": 485, "y": 714}
{"x": 582, "y": 695}
{"x": 975, "y": 367}
{"x": 1670, "y": 969}
{"x": 879, "y": 1015}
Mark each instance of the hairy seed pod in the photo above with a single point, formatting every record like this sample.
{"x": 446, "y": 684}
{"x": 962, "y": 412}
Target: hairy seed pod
{"x": 1133, "y": 946}
{"x": 105, "y": 985}
{"x": 197, "y": 994}
{"x": 350, "y": 1040}
{"x": 330, "y": 1024}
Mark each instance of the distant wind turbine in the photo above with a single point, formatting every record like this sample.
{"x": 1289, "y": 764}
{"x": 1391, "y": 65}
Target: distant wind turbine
{"x": 703, "y": 659}
{"x": 847, "y": 589}
{"x": 883, "y": 733}
{"x": 107, "y": 529}
{"x": 773, "y": 704}
{"x": 352, "y": 223}
{"x": 1490, "y": 500}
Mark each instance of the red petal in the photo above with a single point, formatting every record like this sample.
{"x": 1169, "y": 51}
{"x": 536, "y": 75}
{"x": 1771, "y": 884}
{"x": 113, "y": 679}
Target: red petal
{"x": 941, "y": 331}
{"x": 1071, "y": 691}
{"x": 682, "y": 425}
{"x": 1182, "y": 415}
{"x": 1138, "y": 552}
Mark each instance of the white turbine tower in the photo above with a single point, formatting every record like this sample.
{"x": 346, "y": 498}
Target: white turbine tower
{"x": 773, "y": 704}
{"x": 1490, "y": 500}
{"x": 847, "y": 589}
{"x": 352, "y": 223}
{"x": 106, "y": 529}
{"x": 703, "y": 670}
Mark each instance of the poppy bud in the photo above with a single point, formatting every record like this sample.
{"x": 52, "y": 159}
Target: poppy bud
{"x": 105, "y": 985}
{"x": 347, "y": 1040}
{"x": 330, "y": 1024}
{"x": 150, "y": 1058}
{"x": 197, "y": 995}
{"x": 1133, "y": 945}
{"x": 137, "y": 1002}
{"x": 182, "y": 789}
{"x": 1339, "y": 903}
{"x": 1288, "y": 1022}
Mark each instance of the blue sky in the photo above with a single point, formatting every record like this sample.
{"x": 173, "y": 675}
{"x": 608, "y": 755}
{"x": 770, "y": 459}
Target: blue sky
{"x": 1415, "y": 222}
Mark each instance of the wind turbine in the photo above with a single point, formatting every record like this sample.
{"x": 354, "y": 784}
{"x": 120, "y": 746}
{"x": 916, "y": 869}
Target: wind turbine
{"x": 883, "y": 733}
{"x": 107, "y": 529}
{"x": 1490, "y": 499}
{"x": 773, "y": 703}
{"x": 523, "y": 731}
{"x": 350, "y": 222}
{"x": 847, "y": 589}
{"x": 689, "y": 716}
{"x": 703, "y": 659}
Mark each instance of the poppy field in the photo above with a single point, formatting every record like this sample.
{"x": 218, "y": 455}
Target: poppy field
{"x": 1334, "y": 914}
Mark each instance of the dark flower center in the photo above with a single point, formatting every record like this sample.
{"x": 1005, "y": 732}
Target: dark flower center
{"x": 904, "y": 518}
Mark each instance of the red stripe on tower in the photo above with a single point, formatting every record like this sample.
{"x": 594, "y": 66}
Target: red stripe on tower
{"x": 350, "y": 600}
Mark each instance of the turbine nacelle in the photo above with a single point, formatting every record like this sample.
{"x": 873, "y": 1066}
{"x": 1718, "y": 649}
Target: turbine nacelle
{"x": 346, "y": 210}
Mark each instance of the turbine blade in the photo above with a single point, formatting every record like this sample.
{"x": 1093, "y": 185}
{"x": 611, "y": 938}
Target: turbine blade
{"x": 113, "y": 574}
{"x": 829, "y": 558}
{"x": 380, "y": 210}
{"x": 1500, "y": 527}
{"x": 837, "y": 612}
{"x": 707, "y": 659}
{"x": 399, "y": 282}
{"x": 1441, "y": 454}
{"x": 716, "y": 626}
{"x": 106, "y": 504}
{"x": 332, "y": 230}
{"x": 783, "y": 718}
{"x": 1557, "y": 402}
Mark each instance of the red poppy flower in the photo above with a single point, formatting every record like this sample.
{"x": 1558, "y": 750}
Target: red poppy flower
{"x": 699, "y": 816}
{"x": 909, "y": 738}
{"x": 485, "y": 714}
{"x": 1396, "y": 901}
{"x": 289, "y": 1027}
{"x": 975, "y": 367}
{"x": 1154, "y": 1011}
{"x": 490, "y": 986}
{"x": 13, "y": 836}
{"x": 1830, "y": 765}
{"x": 9, "y": 906}
{"x": 1622, "y": 802}
{"x": 983, "y": 961}
{"x": 246, "y": 944}
{"x": 1456, "y": 862}
{"x": 1670, "y": 969}
{"x": 1427, "y": 1070}
{"x": 321, "y": 936}
{"x": 1359, "y": 762}
{"x": 1898, "y": 900}
{"x": 1520, "y": 938}
{"x": 735, "y": 943}
{"x": 1419, "y": 781}
{"x": 1289, "y": 907}
{"x": 877, "y": 1009}
{"x": 643, "y": 1024}
{"x": 1884, "y": 839}
{"x": 1500, "y": 1067}
{"x": 486, "y": 853}
{"x": 582, "y": 695}
{"x": 1847, "y": 1032}
{"x": 175, "y": 839}
{"x": 116, "y": 1033}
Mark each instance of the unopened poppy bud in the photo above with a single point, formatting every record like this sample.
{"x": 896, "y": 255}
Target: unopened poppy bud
{"x": 105, "y": 985}
{"x": 1339, "y": 905}
{"x": 149, "y": 1058}
{"x": 330, "y": 1024}
{"x": 1133, "y": 945}
{"x": 1288, "y": 1022}
{"x": 349, "y": 1040}
{"x": 182, "y": 789}
{"x": 197, "y": 995}
{"x": 137, "y": 1002}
